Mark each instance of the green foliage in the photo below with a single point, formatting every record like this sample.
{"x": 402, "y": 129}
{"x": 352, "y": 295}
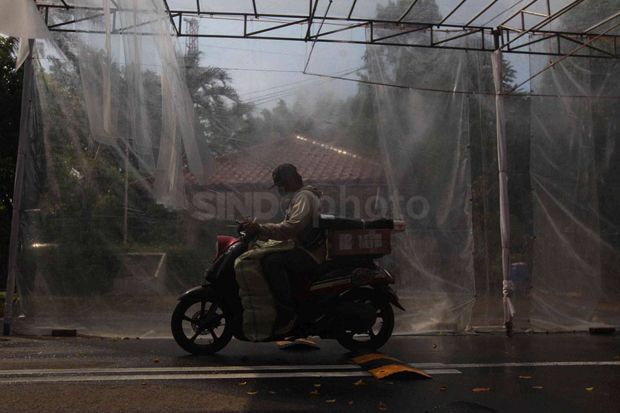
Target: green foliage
{"x": 282, "y": 121}
{"x": 72, "y": 267}
{"x": 80, "y": 187}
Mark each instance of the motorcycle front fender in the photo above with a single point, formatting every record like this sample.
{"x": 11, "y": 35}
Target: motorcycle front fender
{"x": 392, "y": 297}
{"x": 196, "y": 292}
{"x": 383, "y": 292}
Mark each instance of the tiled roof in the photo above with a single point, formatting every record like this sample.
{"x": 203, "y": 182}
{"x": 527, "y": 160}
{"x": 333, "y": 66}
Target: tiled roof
{"x": 316, "y": 162}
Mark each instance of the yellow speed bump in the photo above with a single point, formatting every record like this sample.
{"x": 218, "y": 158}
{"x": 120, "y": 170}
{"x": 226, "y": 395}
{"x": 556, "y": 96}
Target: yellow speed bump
{"x": 382, "y": 366}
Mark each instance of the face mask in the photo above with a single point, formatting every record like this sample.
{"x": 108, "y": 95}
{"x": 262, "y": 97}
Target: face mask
{"x": 285, "y": 197}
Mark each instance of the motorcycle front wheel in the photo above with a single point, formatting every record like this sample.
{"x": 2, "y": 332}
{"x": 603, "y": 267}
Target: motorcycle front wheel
{"x": 200, "y": 326}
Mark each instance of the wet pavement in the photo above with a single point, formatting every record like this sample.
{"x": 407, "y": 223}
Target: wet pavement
{"x": 471, "y": 373}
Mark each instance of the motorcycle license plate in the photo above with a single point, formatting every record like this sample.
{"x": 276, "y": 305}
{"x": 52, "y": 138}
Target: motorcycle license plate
{"x": 359, "y": 242}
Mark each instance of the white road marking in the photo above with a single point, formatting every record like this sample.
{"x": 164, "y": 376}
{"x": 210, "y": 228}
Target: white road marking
{"x": 204, "y": 376}
{"x": 205, "y": 369}
{"x": 249, "y": 372}
{"x": 533, "y": 364}
{"x": 288, "y": 367}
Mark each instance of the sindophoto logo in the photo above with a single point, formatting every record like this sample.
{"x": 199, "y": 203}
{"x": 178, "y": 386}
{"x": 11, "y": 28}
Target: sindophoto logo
{"x": 345, "y": 201}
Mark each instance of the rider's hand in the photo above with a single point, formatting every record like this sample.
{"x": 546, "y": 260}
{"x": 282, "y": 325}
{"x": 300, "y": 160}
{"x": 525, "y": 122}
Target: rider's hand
{"x": 250, "y": 227}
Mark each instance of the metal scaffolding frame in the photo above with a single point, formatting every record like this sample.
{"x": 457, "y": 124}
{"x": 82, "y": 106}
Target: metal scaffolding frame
{"x": 515, "y": 34}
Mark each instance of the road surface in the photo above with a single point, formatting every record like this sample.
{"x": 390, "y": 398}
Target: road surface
{"x": 471, "y": 373}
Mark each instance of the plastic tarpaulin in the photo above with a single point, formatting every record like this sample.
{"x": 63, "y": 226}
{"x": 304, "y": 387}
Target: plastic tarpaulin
{"x": 421, "y": 133}
{"x": 112, "y": 136}
{"x": 574, "y": 133}
{"x": 22, "y": 20}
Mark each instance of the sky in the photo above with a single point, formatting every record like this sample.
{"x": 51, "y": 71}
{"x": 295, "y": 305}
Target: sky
{"x": 264, "y": 71}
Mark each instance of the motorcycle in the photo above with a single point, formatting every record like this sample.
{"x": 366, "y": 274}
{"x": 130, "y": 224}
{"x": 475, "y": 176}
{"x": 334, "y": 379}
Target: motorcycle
{"x": 349, "y": 299}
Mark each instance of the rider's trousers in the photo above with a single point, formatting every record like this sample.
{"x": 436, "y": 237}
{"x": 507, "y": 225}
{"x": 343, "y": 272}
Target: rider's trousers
{"x": 278, "y": 268}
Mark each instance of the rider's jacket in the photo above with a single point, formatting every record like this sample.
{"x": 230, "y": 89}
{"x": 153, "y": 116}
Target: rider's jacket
{"x": 300, "y": 223}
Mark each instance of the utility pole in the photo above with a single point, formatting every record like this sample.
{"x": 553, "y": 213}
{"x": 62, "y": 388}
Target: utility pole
{"x": 504, "y": 209}
{"x": 191, "y": 41}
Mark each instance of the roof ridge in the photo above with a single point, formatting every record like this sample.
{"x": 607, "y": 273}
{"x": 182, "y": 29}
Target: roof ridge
{"x": 337, "y": 149}
{"x": 317, "y": 161}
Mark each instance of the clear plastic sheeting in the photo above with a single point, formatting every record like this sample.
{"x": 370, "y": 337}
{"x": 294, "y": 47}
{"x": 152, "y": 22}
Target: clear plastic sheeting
{"x": 113, "y": 145}
{"x": 117, "y": 75}
{"x": 143, "y": 147}
{"x": 573, "y": 157}
{"x": 424, "y": 141}
{"x": 24, "y": 22}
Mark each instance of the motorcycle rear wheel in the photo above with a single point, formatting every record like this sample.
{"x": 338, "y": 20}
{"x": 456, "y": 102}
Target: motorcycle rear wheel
{"x": 200, "y": 325}
{"x": 379, "y": 333}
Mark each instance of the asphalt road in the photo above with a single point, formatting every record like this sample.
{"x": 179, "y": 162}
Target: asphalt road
{"x": 472, "y": 373}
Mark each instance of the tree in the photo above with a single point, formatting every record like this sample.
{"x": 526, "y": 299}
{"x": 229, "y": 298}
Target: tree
{"x": 280, "y": 121}
{"x": 10, "y": 102}
{"x": 223, "y": 120}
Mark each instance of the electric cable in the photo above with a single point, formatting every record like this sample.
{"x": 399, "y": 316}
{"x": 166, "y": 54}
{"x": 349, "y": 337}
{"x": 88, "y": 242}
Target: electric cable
{"x": 458, "y": 92}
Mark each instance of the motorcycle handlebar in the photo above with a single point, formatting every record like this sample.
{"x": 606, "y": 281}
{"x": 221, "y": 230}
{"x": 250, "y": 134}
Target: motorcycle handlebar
{"x": 247, "y": 236}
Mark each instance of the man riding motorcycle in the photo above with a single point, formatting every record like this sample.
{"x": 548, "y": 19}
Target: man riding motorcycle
{"x": 347, "y": 297}
{"x": 299, "y": 224}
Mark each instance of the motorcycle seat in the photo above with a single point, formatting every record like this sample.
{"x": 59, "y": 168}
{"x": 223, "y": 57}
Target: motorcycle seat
{"x": 344, "y": 276}
{"x": 336, "y": 273}
{"x": 331, "y": 267}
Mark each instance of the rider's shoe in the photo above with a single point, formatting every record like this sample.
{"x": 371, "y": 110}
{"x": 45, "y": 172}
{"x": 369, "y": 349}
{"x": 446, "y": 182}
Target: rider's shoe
{"x": 284, "y": 327}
